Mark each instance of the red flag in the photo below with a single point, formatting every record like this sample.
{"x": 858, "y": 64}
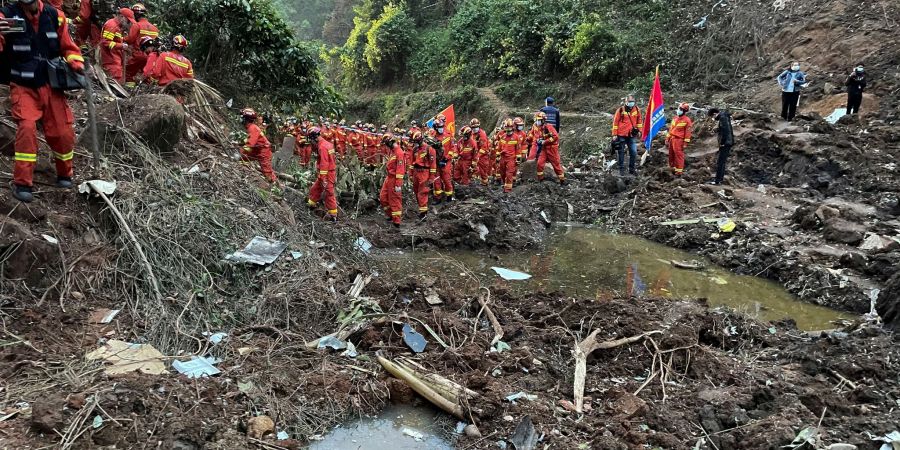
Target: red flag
{"x": 655, "y": 118}
{"x": 450, "y": 115}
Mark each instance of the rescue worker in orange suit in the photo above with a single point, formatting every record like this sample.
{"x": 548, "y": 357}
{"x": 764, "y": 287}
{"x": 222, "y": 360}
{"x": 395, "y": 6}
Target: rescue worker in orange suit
{"x": 522, "y": 137}
{"x": 677, "y": 138}
{"x": 414, "y": 126}
{"x": 112, "y": 43}
{"x": 173, "y": 65}
{"x": 327, "y": 170}
{"x": 357, "y": 141}
{"x": 141, "y": 28}
{"x": 340, "y": 138}
{"x": 302, "y": 144}
{"x": 45, "y": 37}
{"x": 626, "y": 129}
{"x": 468, "y": 149}
{"x": 424, "y": 169}
{"x": 372, "y": 153}
{"x": 443, "y": 185}
{"x": 510, "y": 150}
{"x": 545, "y": 147}
{"x": 149, "y": 47}
{"x": 392, "y": 189}
{"x": 257, "y": 146}
{"x": 86, "y": 30}
{"x": 483, "y": 159}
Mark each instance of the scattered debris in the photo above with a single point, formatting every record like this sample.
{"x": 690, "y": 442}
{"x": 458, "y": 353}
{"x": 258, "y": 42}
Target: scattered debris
{"x": 809, "y": 435}
{"x": 106, "y": 187}
{"x": 513, "y": 275}
{"x": 688, "y": 221}
{"x": 50, "y": 239}
{"x": 525, "y": 437}
{"x": 413, "y": 339}
{"x": 282, "y": 435}
{"x": 501, "y": 347}
{"x": 125, "y": 357}
{"x": 97, "y": 422}
{"x": 197, "y": 366}
{"x": 726, "y": 225}
{"x": 259, "y": 426}
{"x": 520, "y": 396}
{"x": 332, "y": 343}
{"x": 215, "y": 338}
{"x": 103, "y": 315}
{"x": 426, "y": 390}
{"x": 362, "y": 244}
{"x": 688, "y": 265}
{"x": 584, "y": 349}
{"x": 432, "y": 297}
{"x": 891, "y": 440}
{"x": 418, "y": 436}
{"x": 259, "y": 251}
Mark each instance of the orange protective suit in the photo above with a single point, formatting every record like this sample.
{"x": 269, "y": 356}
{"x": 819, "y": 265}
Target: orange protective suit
{"x": 138, "y": 59}
{"x": 424, "y": 173}
{"x": 112, "y": 45}
{"x": 625, "y": 121}
{"x": 484, "y": 158}
{"x": 443, "y": 185}
{"x": 510, "y": 149}
{"x": 547, "y": 139}
{"x": 391, "y": 190}
{"x": 170, "y": 66}
{"x": 86, "y": 31}
{"x": 257, "y": 148}
{"x": 32, "y": 99}
{"x": 372, "y": 155}
{"x": 679, "y": 135}
{"x": 324, "y": 184}
{"x": 468, "y": 150}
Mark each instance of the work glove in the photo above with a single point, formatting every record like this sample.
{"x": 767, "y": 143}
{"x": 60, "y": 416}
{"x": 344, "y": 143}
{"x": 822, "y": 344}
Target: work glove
{"x": 77, "y": 66}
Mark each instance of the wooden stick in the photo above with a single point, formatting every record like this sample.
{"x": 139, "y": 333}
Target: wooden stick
{"x": 584, "y": 348}
{"x": 422, "y": 389}
{"x": 843, "y": 379}
{"x": 137, "y": 245}
{"x": 498, "y": 330}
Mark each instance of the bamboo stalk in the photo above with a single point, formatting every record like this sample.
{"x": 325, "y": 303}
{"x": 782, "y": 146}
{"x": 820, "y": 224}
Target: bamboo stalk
{"x": 422, "y": 389}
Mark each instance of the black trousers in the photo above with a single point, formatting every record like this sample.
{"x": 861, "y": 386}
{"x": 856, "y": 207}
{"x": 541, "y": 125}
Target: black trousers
{"x": 853, "y": 102}
{"x": 724, "y": 152}
{"x": 789, "y": 104}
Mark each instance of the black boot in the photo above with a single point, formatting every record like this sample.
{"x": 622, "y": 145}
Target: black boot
{"x": 64, "y": 182}
{"x": 449, "y": 198}
{"x": 23, "y": 193}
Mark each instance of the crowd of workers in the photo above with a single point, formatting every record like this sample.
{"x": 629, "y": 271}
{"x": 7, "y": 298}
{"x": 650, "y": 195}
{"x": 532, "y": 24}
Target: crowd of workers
{"x": 435, "y": 158}
{"x": 35, "y": 42}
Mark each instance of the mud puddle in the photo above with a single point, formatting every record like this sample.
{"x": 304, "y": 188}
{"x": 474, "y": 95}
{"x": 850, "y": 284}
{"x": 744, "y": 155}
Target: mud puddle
{"x": 587, "y": 262}
{"x": 397, "y": 427}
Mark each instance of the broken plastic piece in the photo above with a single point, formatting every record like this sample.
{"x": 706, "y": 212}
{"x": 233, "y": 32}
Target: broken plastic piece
{"x": 501, "y": 347}
{"x": 106, "y": 187}
{"x": 282, "y": 435}
{"x": 726, "y": 225}
{"x": 413, "y": 339}
{"x": 103, "y": 315}
{"x": 362, "y": 244}
{"x": 418, "y": 436}
{"x": 197, "y": 366}
{"x": 332, "y": 343}
{"x": 98, "y": 422}
{"x": 507, "y": 274}
{"x": 215, "y": 338}
{"x": 127, "y": 357}
{"x": 259, "y": 251}
{"x": 50, "y": 239}
{"x": 521, "y": 395}
{"x": 525, "y": 436}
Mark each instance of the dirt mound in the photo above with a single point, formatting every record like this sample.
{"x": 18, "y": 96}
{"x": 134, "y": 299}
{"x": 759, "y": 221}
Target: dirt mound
{"x": 157, "y": 119}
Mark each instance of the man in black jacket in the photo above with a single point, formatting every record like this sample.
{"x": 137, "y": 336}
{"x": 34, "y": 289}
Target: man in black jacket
{"x": 856, "y": 84}
{"x": 726, "y": 141}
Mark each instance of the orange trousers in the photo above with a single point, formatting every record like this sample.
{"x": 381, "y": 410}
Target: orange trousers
{"x": 485, "y": 167}
{"x": 676, "y": 155}
{"x": 48, "y": 106}
{"x": 391, "y": 200}
{"x": 304, "y": 151}
{"x": 136, "y": 64}
{"x": 462, "y": 172}
{"x": 508, "y": 172}
{"x": 264, "y": 156}
{"x": 550, "y": 154}
{"x": 318, "y": 191}
{"x": 443, "y": 185}
{"x": 421, "y": 187}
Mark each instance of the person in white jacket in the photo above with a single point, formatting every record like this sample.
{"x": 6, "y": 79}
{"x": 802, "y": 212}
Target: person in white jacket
{"x": 791, "y": 81}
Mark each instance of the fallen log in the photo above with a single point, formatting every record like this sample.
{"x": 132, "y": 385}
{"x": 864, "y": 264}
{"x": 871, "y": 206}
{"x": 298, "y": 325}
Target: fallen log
{"x": 498, "y": 330}
{"x": 585, "y": 348}
{"x": 421, "y": 388}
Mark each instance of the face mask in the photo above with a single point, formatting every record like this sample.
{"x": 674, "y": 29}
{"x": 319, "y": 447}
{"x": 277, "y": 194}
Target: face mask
{"x": 679, "y": 112}
{"x": 520, "y": 127}
{"x": 795, "y": 67}
{"x": 538, "y": 122}
{"x": 440, "y": 130}
{"x": 476, "y": 129}
{"x": 630, "y": 104}
{"x": 860, "y": 70}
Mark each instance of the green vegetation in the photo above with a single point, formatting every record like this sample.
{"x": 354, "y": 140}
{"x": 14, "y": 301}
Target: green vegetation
{"x": 589, "y": 42}
{"x": 246, "y": 50}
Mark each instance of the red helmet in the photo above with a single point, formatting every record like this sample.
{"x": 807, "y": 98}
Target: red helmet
{"x": 145, "y": 41}
{"x": 417, "y": 136}
{"x": 540, "y": 115}
{"x": 518, "y": 121}
{"x": 465, "y": 131}
{"x": 509, "y": 124}
{"x": 439, "y": 122}
{"x": 179, "y": 42}
{"x": 474, "y": 123}
{"x": 248, "y": 113}
{"x": 139, "y": 9}
{"x": 684, "y": 107}
{"x": 314, "y": 132}
{"x": 388, "y": 139}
